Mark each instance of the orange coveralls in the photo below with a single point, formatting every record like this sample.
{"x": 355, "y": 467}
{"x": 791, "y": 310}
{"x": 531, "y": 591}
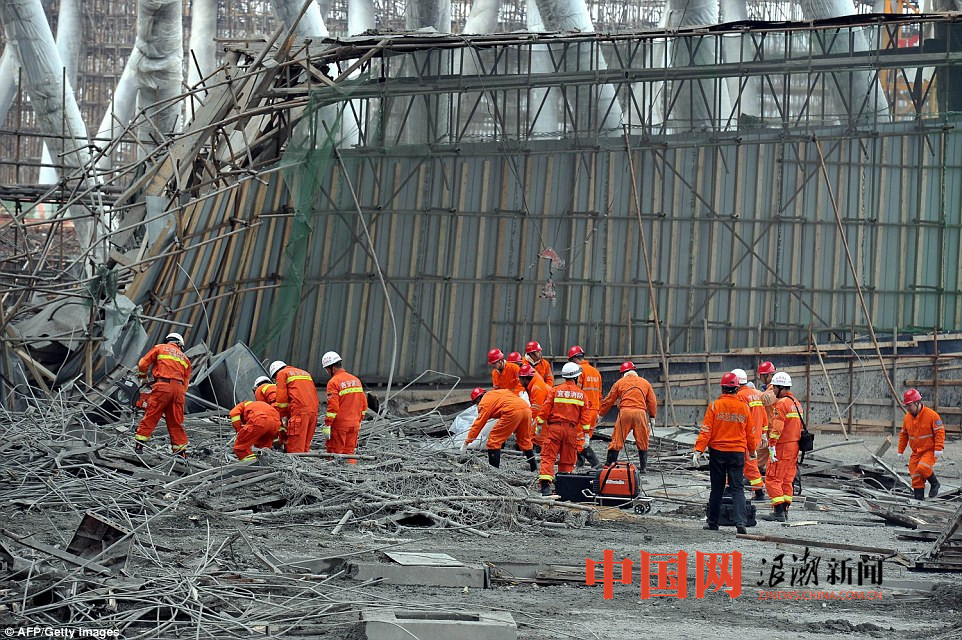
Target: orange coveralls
{"x": 768, "y": 403}
{"x": 346, "y": 404}
{"x": 171, "y": 371}
{"x": 590, "y": 381}
{"x": 543, "y": 367}
{"x": 257, "y": 425}
{"x": 759, "y": 421}
{"x": 926, "y": 435}
{"x": 297, "y": 401}
{"x": 726, "y": 426}
{"x": 636, "y": 402}
{"x": 784, "y": 434}
{"x": 538, "y": 390}
{"x": 267, "y": 392}
{"x": 507, "y": 379}
{"x": 513, "y": 414}
{"x": 565, "y": 412}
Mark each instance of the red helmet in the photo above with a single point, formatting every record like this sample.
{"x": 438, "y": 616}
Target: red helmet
{"x": 494, "y": 355}
{"x": 575, "y": 351}
{"x": 476, "y": 393}
{"x": 515, "y": 357}
{"x": 912, "y": 395}
{"x": 626, "y": 366}
{"x": 729, "y": 380}
{"x": 527, "y": 371}
{"x": 532, "y": 346}
{"x": 765, "y": 367}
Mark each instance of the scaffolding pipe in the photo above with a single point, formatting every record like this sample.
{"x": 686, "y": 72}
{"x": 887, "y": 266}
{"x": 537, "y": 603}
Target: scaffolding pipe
{"x": 572, "y": 15}
{"x": 861, "y": 95}
{"x": 51, "y": 96}
{"x": 160, "y": 75}
{"x": 69, "y": 41}
{"x": 542, "y": 103}
{"x": 203, "y": 31}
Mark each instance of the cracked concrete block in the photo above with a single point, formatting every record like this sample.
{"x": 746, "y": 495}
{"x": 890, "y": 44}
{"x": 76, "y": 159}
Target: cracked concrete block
{"x": 401, "y": 624}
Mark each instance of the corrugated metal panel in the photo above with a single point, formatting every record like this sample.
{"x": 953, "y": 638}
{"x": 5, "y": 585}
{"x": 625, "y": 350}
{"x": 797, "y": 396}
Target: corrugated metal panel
{"x": 740, "y": 235}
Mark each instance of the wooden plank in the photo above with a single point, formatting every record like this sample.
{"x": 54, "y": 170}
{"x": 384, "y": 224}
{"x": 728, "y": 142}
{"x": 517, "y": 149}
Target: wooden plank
{"x": 57, "y": 553}
{"x": 818, "y": 543}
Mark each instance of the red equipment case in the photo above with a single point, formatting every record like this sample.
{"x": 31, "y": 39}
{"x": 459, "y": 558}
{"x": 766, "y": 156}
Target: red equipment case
{"x": 616, "y": 484}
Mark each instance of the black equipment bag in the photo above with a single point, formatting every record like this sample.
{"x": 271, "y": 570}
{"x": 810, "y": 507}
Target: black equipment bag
{"x": 575, "y": 487}
{"x": 726, "y": 515}
{"x": 806, "y": 442}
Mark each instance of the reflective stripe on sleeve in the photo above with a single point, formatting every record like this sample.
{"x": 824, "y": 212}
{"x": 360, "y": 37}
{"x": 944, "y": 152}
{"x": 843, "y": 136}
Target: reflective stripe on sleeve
{"x": 330, "y": 415}
{"x": 793, "y": 414}
{"x": 235, "y": 418}
{"x": 350, "y": 390}
{"x": 176, "y": 359}
{"x": 282, "y": 405}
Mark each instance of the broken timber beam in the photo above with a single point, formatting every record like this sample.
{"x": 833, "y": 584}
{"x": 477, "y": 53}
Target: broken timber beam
{"x": 817, "y": 543}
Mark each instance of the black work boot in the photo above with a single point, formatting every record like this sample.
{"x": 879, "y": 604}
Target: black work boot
{"x": 778, "y": 515}
{"x": 612, "y": 457}
{"x": 919, "y": 494}
{"x": 759, "y": 496}
{"x": 934, "y": 485}
{"x": 532, "y": 463}
{"x": 545, "y": 488}
{"x": 138, "y": 447}
{"x": 494, "y": 457}
{"x": 582, "y": 460}
{"x": 642, "y": 460}
{"x": 785, "y": 508}
{"x": 740, "y": 529}
{"x": 591, "y": 457}
{"x": 710, "y": 527}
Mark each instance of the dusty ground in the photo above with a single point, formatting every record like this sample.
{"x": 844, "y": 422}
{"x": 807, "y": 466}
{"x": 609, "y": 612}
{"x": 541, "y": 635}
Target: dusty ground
{"x": 578, "y": 611}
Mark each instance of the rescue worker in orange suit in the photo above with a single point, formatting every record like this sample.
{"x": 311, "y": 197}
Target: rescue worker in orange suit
{"x": 537, "y": 390}
{"x": 346, "y": 404}
{"x": 532, "y": 354}
{"x": 257, "y": 425}
{"x": 504, "y": 374}
{"x": 170, "y": 368}
{"x": 759, "y": 421}
{"x": 514, "y": 417}
{"x": 591, "y": 384}
{"x": 636, "y": 405}
{"x": 765, "y": 372}
{"x": 923, "y": 430}
{"x": 783, "y": 439}
{"x": 266, "y": 391}
{"x": 298, "y": 402}
{"x": 727, "y": 434}
{"x": 564, "y": 423}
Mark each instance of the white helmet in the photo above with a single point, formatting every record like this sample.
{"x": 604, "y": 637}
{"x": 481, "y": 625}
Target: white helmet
{"x": 329, "y": 359}
{"x": 741, "y": 375}
{"x": 276, "y": 366}
{"x": 261, "y": 380}
{"x": 175, "y": 337}
{"x": 782, "y": 379}
{"x": 570, "y": 370}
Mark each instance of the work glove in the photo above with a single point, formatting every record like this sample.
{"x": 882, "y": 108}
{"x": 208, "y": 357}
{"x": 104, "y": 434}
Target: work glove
{"x": 587, "y": 438}
{"x": 537, "y": 428}
{"x": 464, "y": 447}
{"x": 938, "y": 454}
{"x": 695, "y": 458}
{"x": 900, "y": 455}
{"x": 771, "y": 455}
{"x": 278, "y": 446}
{"x": 753, "y": 455}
